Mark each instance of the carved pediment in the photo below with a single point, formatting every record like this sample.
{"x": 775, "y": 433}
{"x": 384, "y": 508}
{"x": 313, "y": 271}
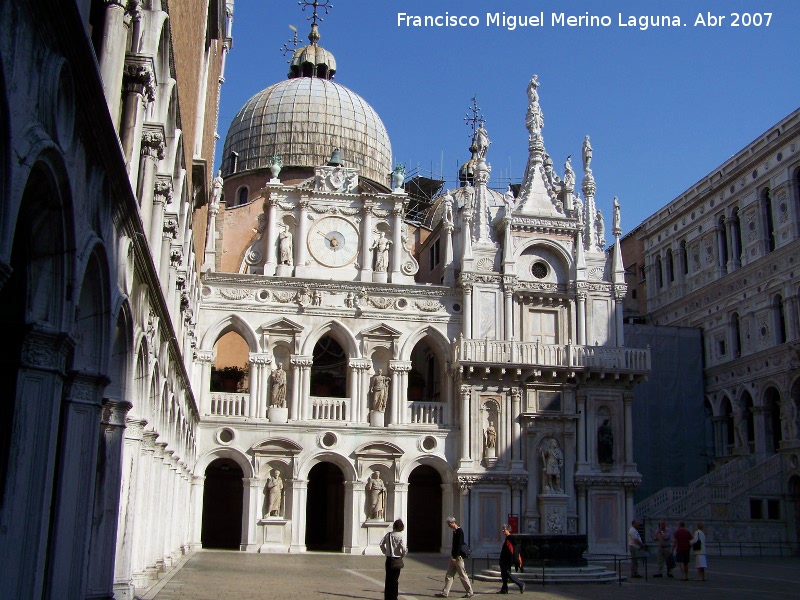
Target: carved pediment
{"x": 277, "y": 447}
{"x": 281, "y": 326}
{"x": 374, "y": 454}
{"x": 378, "y": 450}
{"x": 380, "y": 331}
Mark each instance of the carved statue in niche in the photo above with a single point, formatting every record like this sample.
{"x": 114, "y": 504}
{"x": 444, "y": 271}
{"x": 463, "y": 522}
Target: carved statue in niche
{"x": 788, "y": 419}
{"x": 274, "y": 493}
{"x": 380, "y": 390}
{"x": 278, "y": 396}
{"x": 552, "y": 461}
{"x": 605, "y": 443}
{"x": 491, "y": 436}
{"x": 285, "y": 247}
{"x": 740, "y": 424}
{"x": 381, "y": 246}
{"x": 376, "y": 497}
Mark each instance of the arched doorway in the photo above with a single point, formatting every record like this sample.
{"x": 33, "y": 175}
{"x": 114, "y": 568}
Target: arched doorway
{"x": 325, "y": 508}
{"x": 222, "y": 505}
{"x": 424, "y": 525}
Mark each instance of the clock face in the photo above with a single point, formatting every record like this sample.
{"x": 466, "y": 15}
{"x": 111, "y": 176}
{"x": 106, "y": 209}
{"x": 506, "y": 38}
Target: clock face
{"x": 333, "y": 241}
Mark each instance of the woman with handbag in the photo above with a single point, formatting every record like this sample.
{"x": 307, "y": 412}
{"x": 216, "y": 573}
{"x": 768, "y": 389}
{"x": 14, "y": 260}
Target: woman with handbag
{"x": 394, "y": 548}
{"x": 699, "y": 550}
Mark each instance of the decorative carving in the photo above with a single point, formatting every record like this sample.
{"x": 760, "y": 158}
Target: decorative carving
{"x": 234, "y": 294}
{"x": 138, "y": 78}
{"x": 284, "y": 297}
{"x": 336, "y": 179}
{"x": 278, "y": 393}
{"x": 485, "y": 264}
{"x": 552, "y": 461}
{"x": 152, "y": 144}
{"x": 428, "y": 305}
{"x": 380, "y": 391}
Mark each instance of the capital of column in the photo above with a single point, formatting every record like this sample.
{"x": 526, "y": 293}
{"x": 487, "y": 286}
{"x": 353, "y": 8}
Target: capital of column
{"x": 301, "y": 362}
{"x": 123, "y": 4}
{"x": 171, "y": 227}
{"x": 153, "y": 142}
{"x": 176, "y": 260}
{"x": 86, "y": 389}
{"x": 466, "y": 390}
{"x": 620, "y": 289}
{"x": 134, "y": 428}
{"x": 401, "y": 366}
{"x": 260, "y": 358}
{"x": 115, "y": 413}
{"x": 163, "y": 189}
{"x": 627, "y": 397}
{"x": 465, "y": 485}
{"x": 369, "y": 206}
{"x": 516, "y": 393}
{"x": 360, "y": 364}
{"x": 205, "y": 356}
{"x": 46, "y": 351}
{"x": 138, "y": 76}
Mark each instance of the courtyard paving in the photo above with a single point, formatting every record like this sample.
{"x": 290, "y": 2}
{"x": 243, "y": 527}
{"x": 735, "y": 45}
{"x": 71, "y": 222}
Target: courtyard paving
{"x": 216, "y": 575}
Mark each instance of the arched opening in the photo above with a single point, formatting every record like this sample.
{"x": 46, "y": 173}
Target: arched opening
{"x": 770, "y": 226}
{"x": 736, "y": 336}
{"x": 772, "y": 419}
{"x": 329, "y": 371}
{"x": 670, "y": 267}
{"x": 727, "y": 413}
{"x": 685, "y": 257}
{"x": 747, "y": 401}
{"x": 424, "y": 378}
{"x": 231, "y": 369}
{"x": 708, "y": 414}
{"x": 723, "y": 243}
{"x": 736, "y": 231}
{"x": 223, "y": 495}
{"x": 659, "y": 273}
{"x": 424, "y": 526}
{"x": 325, "y": 508}
{"x": 243, "y": 196}
{"x": 780, "y": 319}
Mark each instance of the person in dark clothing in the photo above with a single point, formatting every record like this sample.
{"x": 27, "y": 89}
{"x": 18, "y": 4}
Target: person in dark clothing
{"x": 509, "y": 556}
{"x": 456, "y": 565}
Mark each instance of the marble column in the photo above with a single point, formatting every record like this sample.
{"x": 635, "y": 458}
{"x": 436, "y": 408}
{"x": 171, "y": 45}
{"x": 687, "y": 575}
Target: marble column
{"x": 129, "y": 501}
{"x": 107, "y": 501}
{"x": 399, "y": 391}
{"x": 112, "y": 54}
{"x": 152, "y": 151}
{"x": 466, "y": 395}
{"x": 144, "y": 511}
{"x": 759, "y": 429}
{"x": 73, "y": 500}
{"x": 508, "y": 313}
{"x": 300, "y": 247}
{"x": 517, "y": 461}
{"x": 139, "y": 88}
{"x": 581, "y": 397}
{"x": 162, "y": 194}
{"x": 397, "y": 240}
{"x": 299, "y": 496}
{"x": 29, "y": 493}
{"x": 271, "y": 235}
{"x": 581, "y": 318}
{"x": 251, "y": 512}
{"x": 400, "y": 503}
{"x": 169, "y": 234}
{"x": 628, "y": 402}
{"x": 196, "y": 517}
{"x": 581, "y": 510}
{"x": 619, "y": 299}
{"x": 210, "y": 251}
{"x": 365, "y": 260}
{"x": 352, "y": 516}
{"x": 467, "y": 324}
{"x": 720, "y": 436}
{"x": 205, "y": 359}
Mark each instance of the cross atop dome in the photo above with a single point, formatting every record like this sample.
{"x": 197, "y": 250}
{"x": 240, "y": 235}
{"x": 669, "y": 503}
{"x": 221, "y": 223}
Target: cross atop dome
{"x": 313, "y": 60}
{"x": 325, "y": 5}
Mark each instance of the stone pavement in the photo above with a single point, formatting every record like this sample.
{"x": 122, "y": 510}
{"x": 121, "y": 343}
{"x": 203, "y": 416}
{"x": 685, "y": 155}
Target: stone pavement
{"x": 217, "y": 575}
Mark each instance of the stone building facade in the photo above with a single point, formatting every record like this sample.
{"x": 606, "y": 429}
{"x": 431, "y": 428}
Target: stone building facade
{"x": 103, "y": 175}
{"x": 722, "y": 257}
{"x": 474, "y": 365}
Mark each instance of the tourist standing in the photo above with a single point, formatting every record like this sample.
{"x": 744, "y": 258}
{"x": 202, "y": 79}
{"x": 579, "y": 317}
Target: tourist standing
{"x": 663, "y": 539}
{"x": 456, "y": 566}
{"x": 698, "y": 544}
{"x": 635, "y": 546}
{"x": 509, "y": 556}
{"x": 394, "y": 548}
{"x": 681, "y": 542}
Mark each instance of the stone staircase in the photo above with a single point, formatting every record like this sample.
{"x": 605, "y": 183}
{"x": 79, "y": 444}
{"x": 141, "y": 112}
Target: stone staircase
{"x": 533, "y": 575}
{"x": 721, "y": 486}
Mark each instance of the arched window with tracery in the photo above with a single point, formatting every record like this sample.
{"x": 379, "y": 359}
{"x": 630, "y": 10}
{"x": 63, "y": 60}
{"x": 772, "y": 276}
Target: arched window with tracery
{"x": 766, "y": 198}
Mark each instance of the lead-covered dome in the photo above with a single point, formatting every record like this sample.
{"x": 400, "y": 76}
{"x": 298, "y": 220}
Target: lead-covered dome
{"x": 304, "y": 119}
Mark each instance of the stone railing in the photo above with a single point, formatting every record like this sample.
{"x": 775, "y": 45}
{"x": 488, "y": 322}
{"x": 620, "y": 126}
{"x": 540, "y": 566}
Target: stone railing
{"x": 552, "y": 355}
{"x": 228, "y": 404}
{"x": 719, "y": 486}
{"x": 429, "y": 413}
{"x": 329, "y": 409}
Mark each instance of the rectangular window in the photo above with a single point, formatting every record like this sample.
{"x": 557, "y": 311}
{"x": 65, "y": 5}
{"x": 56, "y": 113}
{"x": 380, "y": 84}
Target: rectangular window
{"x": 543, "y": 327}
{"x": 774, "y": 510}
{"x": 721, "y": 348}
{"x": 756, "y": 508}
{"x": 433, "y": 255}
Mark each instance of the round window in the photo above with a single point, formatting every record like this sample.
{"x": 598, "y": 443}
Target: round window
{"x": 428, "y": 443}
{"x": 225, "y": 435}
{"x": 328, "y": 440}
{"x": 539, "y": 270}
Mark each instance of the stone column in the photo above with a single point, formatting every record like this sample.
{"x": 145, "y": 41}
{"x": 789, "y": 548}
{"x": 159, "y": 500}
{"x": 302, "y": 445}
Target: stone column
{"x": 517, "y": 485}
{"x": 351, "y": 518}
{"x": 508, "y": 306}
{"x": 581, "y": 318}
{"x": 731, "y": 241}
{"x": 205, "y": 358}
{"x": 129, "y": 501}
{"x": 299, "y": 495}
{"x": 399, "y": 390}
{"x": 366, "y": 238}
{"x": 263, "y": 362}
{"x": 251, "y": 513}
{"x": 112, "y": 54}
{"x": 397, "y": 240}
{"x": 139, "y": 89}
{"x": 517, "y": 461}
{"x": 760, "y": 443}
{"x": 162, "y": 196}
{"x": 107, "y": 504}
{"x": 196, "y": 516}
{"x": 169, "y": 234}
{"x": 209, "y": 252}
{"x": 467, "y": 324}
{"x": 302, "y": 233}
{"x": 29, "y": 493}
{"x": 466, "y": 395}
{"x": 619, "y": 300}
{"x": 400, "y": 503}
{"x": 581, "y": 510}
{"x": 720, "y": 436}
{"x": 154, "y": 558}
{"x": 628, "y": 401}
{"x": 144, "y": 511}
{"x": 70, "y": 532}
{"x": 581, "y": 433}
{"x": 300, "y": 393}
{"x": 271, "y": 235}
{"x": 152, "y": 150}
{"x": 791, "y": 311}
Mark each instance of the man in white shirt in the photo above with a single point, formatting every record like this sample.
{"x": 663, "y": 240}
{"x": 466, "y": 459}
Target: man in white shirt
{"x": 635, "y": 546}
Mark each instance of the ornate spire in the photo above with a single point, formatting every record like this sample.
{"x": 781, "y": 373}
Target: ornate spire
{"x": 313, "y": 60}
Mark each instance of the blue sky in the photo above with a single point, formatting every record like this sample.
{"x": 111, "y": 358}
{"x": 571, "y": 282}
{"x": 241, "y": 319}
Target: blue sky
{"x": 663, "y": 106}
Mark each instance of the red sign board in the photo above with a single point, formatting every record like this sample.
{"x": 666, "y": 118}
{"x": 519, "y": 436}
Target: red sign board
{"x": 513, "y": 523}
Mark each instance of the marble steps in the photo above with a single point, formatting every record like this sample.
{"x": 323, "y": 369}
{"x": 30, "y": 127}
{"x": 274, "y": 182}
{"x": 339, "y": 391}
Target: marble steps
{"x": 532, "y": 575}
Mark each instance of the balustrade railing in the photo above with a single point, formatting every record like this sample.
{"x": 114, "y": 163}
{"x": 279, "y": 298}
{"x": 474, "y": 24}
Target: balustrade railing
{"x": 553, "y": 355}
{"x": 329, "y": 409}
{"x": 227, "y": 404}
{"x": 431, "y": 413}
